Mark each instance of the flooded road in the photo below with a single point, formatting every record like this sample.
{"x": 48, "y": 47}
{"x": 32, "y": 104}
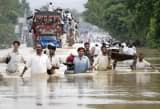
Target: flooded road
{"x": 100, "y": 90}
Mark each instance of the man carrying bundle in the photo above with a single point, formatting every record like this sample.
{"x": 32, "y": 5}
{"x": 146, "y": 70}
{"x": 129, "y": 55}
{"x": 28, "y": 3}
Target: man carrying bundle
{"x": 13, "y": 59}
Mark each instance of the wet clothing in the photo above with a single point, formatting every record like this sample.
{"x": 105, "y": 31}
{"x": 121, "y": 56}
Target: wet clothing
{"x": 39, "y": 64}
{"x": 15, "y": 59}
{"x": 81, "y": 65}
{"x": 55, "y": 62}
{"x": 90, "y": 56}
{"x": 102, "y": 62}
{"x": 69, "y": 60}
{"x": 142, "y": 65}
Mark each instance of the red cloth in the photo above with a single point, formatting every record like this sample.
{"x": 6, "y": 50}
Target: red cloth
{"x": 70, "y": 58}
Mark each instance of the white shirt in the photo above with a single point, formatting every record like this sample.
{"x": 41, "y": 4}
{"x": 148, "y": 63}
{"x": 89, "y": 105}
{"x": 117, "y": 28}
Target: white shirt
{"x": 15, "y": 59}
{"x": 97, "y": 51}
{"x": 54, "y": 61}
{"x": 101, "y": 62}
{"x": 142, "y": 65}
{"x": 39, "y": 64}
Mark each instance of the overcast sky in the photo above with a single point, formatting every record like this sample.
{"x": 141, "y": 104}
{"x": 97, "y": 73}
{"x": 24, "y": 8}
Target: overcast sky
{"x": 76, "y": 4}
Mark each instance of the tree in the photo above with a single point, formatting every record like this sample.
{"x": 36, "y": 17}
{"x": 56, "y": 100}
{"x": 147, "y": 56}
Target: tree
{"x": 10, "y": 10}
{"x": 127, "y": 19}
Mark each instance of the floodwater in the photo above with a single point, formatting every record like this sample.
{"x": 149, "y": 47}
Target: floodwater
{"x": 100, "y": 90}
{"x": 103, "y": 90}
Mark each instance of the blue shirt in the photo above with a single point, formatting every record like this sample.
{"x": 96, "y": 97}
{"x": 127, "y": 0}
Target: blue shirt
{"x": 81, "y": 65}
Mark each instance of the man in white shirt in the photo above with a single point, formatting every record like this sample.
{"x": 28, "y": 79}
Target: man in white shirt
{"x": 103, "y": 61}
{"x": 14, "y": 58}
{"x": 39, "y": 62}
{"x": 55, "y": 63}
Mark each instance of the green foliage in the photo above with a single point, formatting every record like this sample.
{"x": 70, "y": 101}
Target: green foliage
{"x": 127, "y": 19}
{"x": 6, "y": 33}
{"x": 10, "y": 10}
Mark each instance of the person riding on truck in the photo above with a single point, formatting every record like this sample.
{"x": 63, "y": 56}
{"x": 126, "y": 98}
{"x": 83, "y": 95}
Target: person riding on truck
{"x": 51, "y": 7}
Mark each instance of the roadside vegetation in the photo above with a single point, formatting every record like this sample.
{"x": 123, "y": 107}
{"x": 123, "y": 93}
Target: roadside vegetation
{"x": 10, "y": 10}
{"x": 137, "y": 20}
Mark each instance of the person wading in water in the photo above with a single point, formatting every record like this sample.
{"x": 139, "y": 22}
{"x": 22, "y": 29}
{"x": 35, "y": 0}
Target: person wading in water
{"x": 55, "y": 63}
{"x": 88, "y": 52}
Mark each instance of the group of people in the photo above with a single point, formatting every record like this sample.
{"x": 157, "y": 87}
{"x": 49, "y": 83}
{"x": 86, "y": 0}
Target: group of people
{"x": 100, "y": 58}
{"x": 97, "y": 58}
{"x": 39, "y": 63}
{"x": 137, "y": 62}
{"x": 68, "y": 22}
{"x": 90, "y": 58}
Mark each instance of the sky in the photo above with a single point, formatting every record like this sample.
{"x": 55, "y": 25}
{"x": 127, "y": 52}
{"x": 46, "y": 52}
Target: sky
{"x": 72, "y": 4}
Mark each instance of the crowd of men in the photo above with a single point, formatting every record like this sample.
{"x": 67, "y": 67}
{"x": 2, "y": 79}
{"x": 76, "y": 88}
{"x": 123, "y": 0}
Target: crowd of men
{"x": 88, "y": 58}
{"x": 69, "y": 23}
{"x": 98, "y": 57}
{"x": 39, "y": 63}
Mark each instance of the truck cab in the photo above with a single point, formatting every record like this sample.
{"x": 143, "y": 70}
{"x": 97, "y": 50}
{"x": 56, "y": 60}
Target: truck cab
{"x": 46, "y": 39}
{"x": 46, "y": 28}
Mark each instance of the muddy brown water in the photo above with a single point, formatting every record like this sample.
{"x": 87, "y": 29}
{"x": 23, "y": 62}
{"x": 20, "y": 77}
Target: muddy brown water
{"x": 104, "y": 90}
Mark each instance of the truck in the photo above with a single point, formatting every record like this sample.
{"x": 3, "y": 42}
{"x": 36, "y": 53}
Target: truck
{"x": 46, "y": 28}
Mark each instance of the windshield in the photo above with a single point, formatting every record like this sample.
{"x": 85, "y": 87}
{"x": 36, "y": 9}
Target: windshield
{"x": 47, "y": 37}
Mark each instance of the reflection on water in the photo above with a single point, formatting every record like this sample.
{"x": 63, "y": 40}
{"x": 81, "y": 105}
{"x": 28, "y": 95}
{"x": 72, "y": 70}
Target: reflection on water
{"x": 125, "y": 106}
{"x": 105, "y": 90}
